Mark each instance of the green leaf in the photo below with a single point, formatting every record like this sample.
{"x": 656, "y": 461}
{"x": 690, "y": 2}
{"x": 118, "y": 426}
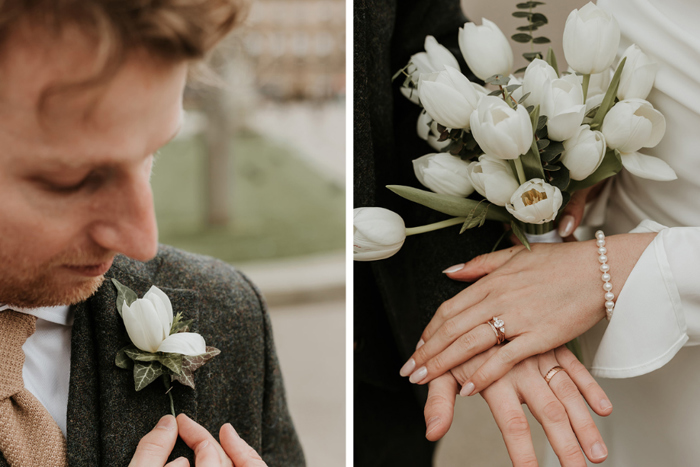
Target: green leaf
{"x": 541, "y": 40}
{"x": 611, "y": 165}
{"x": 543, "y": 143}
{"x": 524, "y": 38}
{"x": 566, "y": 197}
{"x": 172, "y": 361}
{"x": 515, "y": 227}
{"x": 498, "y": 80}
{"x": 535, "y": 116}
{"x": 520, "y": 70}
{"x": 552, "y": 151}
{"x": 530, "y": 56}
{"x": 497, "y": 92}
{"x": 591, "y": 113}
{"x": 476, "y": 216}
{"x": 541, "y": 122}
{"x": 522, "y": 14}
{"x": 122, "y": 361}
{"x": 447, "y": 204}
{"x": 124, "y": 295}
{"x": 532, "y": 165}
{"x": 529, "y": 28}
{"x": 524, "y": 97}
{"x": 539, "y": 17}
{"x": 180, "y": 325}
{"x": 513, "y": 87}
{"x": 609, "y": 99}
{"x": 190, "y": 364}
{"x": 139, "y": 355}
{"x": 146, "y": 373}
{"x": 560, "y": 178}
{"x": 552, "y": 60}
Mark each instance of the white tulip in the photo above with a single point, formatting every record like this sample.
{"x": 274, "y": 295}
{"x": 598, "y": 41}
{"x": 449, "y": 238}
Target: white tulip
{"x": 535, "y": 202}
{"x": 583, "y": 152}
{"x": 501, "y": 131}
{"x": 591, "y": 37}
{"x": 148, "y": 321}
{"x": 485, "y": 49}
{"x": 448, "y": 97}
{"x": 427, "y": 130}
{"x": 434, "y": 59}
{"x": 377, "y": 233}
{"x": 444, "y": 173}
{"x": 562, "y": 103}
{"x": 633, "y": 124}
{"x": 638, "y": 74}
{"x": 537, "y": 77}
{"x": 493, "y": 179}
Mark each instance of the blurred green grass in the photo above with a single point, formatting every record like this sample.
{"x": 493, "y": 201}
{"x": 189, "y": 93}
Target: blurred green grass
{"x": 280, "y": 206}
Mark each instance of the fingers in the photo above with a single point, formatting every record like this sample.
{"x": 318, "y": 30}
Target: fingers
{"x": 481, "y": 265}
{"x": 237, "y": 449}
{"x": 179, "y": 462}
{"x": 580, "y": 418}
{"x": 156, "y": 446}
{"x": 552, "y": 415}
{"x": 455, "y": 306}
{"x": 439, "y": 408}
{"x": 202, "y": 443}
{"x": 499, "y": 364}
{"x": 573, "y": 213}
{"x": 510, "y": 418}
{"x": 586, "y": 384}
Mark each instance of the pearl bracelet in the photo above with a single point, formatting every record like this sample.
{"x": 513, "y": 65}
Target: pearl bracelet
{"x": 605, "y": 269}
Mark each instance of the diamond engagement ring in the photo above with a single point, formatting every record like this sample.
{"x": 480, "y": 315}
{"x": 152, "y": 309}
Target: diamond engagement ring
{"x": 499, "y": 327}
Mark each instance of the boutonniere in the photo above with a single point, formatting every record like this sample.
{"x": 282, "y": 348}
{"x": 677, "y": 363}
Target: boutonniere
{"x": 162, "y": 345}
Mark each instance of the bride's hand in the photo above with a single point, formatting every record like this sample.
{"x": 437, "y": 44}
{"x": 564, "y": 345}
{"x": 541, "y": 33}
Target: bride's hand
{"x": 546, "y": 297}
{"x": 559, "y": 407}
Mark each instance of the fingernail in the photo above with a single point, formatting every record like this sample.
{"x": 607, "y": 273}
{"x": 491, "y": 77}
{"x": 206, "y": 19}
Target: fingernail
{"x": 420, "y": 344}
{"x": 408, "y": 367}
{"x": 418, "y": 375}
{"x": 566, "y": 225}
{"x": 605, "y": 404}
{"x": 204, "y": 444}
{"x": 467, "y": 389}
{"x": 455, "y": 268}
{"x": 599, "y": 451}
{"x": 167, "y": 423}
{"x": 432, "y": 424}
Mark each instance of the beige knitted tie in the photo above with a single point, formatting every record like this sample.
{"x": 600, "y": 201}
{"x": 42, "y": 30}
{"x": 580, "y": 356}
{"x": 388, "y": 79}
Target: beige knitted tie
{"x": 29, "y": 436}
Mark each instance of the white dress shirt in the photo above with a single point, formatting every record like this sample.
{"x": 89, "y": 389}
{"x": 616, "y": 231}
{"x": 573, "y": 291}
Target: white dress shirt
{"x": 46, "y": 370}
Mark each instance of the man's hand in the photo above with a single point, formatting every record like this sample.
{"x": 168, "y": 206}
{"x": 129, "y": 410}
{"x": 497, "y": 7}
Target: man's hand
{"x": 155, "y": 448}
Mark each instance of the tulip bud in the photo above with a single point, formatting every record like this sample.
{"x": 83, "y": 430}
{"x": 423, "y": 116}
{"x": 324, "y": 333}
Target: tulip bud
{"x": 444, "y": 173}
{"x": 562, "y": 103}
{"x": 583, "y": 152}
{"x": 377, "y": 233}
{"x": 501, "y": 131}
{"x": 633, "y": 124}
{"x": 434, "y": 59}
{"x": 448, "y": 97}
{"x": 427, "y": 130}
{"x": 485, "y": 49}
{"x": 591, "y": 37}
{"x": 537, "y": 77}
{"x": 493, "y": 179}
{"x": 535, "y": 202}
{"x": 638, "y": 74}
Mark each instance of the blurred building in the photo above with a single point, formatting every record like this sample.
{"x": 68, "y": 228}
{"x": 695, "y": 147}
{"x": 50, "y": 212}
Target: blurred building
{"x": 296, "y": 48}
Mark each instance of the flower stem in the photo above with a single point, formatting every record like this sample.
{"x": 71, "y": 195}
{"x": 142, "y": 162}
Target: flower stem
{"x": 172, "y": 404}
{"x": 586, "y": 80}
{"x": 520, "y": 170}
{"x": 436, "y": 226}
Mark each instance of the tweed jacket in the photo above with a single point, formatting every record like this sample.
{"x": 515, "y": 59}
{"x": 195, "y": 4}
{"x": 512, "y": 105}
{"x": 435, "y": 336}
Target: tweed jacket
{"x": 242, "y": 385}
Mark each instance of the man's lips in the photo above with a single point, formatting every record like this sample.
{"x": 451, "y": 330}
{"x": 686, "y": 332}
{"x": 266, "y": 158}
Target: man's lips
{"x": 92, "y": 270}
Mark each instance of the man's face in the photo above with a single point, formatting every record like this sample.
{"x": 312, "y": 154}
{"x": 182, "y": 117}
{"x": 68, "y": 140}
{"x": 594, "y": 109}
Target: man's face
{"x": 74, "y": 180}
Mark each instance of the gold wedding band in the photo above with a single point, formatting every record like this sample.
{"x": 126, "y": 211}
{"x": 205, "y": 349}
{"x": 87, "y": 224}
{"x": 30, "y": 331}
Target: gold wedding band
{"x": 550, "y": 374}
{"x": 499, "y": 327}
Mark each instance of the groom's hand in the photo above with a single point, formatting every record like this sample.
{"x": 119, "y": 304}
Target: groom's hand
{"x": 155, "y": 448}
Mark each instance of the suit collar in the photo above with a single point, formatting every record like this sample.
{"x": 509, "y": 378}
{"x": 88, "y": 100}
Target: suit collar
{"x": 106, "y": 416}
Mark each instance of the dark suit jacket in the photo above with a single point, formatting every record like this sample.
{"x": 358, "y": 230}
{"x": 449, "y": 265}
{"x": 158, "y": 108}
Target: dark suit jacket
{"x": 242, "y": 385}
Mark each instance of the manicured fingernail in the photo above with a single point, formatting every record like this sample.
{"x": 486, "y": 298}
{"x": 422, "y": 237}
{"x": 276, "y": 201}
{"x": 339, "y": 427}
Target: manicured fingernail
{"x": 467, "y": 389}
{"x": 167, "y": 423}
{"x": 432, "y": 424}
{"x": 599, "y": 451}
{"x": 408, "y": 367}
{"x": 418, "y": 375}
{"x": 605, "y": 404}
{"x": 420, "y": 344}
{"x": 455, "y": 268}
{"x": 566, "y": 225}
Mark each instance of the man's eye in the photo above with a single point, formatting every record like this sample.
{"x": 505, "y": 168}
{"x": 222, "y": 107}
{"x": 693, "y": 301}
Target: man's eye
{"x": 60, "y": 188}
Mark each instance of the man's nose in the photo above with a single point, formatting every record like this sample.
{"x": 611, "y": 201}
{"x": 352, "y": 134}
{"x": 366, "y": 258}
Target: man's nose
{"x": 128, "y": 222}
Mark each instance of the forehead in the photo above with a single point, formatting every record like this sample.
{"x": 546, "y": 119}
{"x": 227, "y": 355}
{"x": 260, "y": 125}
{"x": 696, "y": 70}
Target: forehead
{"x": 129, "y": 115}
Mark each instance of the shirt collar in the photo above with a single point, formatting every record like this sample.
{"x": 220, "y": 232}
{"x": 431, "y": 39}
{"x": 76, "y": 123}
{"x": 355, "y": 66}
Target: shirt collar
{"x": 55, "y": 314}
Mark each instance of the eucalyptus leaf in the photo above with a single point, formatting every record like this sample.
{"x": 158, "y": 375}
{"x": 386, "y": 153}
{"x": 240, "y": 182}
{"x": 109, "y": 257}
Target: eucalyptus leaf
{"x": 561, "y": 178}
{"x": 542, "y": 144}
{"x": 552, "y": 151}
{"x": 513, "y": 87}
{"x": 609, "y": 99}
{"x": 541, "y": 122}
{"x": 146, "y": 373}
{"x": 523, "y": 97}
{"x": 447, "y": 204}
{"x": 529, "y": 28}
{"x": 611, "y": 165}
{"x": 539, "y": 17}
{"x": 122, "y": 361}
{"x": 124, "y": 295}
{"x": 565, "y": 198}
{"x": 497, "y": 92}
{"x": 498, "y": 80}
{"x": 552, "y": 168}
{"x": 521, "y": 37}
{"x": 530, "y": 56}
{"x": 515, "y": 227}
{"x": 522, "y": 14}
{"x": 552, "y": 60}
{"x": 520, "y": 70}
{"x": 541, "y": 40}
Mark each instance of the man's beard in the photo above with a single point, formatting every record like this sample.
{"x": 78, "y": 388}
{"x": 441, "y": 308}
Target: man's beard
{"x": 26, "y": 286}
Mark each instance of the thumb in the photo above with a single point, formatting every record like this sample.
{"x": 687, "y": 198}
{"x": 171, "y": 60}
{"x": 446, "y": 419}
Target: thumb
{"x": 573, "y": 213}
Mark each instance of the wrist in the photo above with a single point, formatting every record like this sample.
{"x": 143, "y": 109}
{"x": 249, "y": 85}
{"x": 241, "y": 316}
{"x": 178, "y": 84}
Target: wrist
{"x": 624, "y": 251}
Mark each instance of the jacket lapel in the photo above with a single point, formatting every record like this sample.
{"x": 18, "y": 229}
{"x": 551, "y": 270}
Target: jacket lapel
{"x": 106, "y": 416}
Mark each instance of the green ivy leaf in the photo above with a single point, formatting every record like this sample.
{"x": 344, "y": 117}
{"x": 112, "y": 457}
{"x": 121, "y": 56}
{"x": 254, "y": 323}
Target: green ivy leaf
{"x": 139, "y": 355}
{"x": 190, "y": 364}
{"x": 172, "y": 361}
{"x": 122, "y": 361}
{"x": 521, "y": 37}
{"x": 146, "y": 373}
{"x": 124, "y": 295}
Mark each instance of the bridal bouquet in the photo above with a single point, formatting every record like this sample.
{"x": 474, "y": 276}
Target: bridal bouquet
{"x": 524, "y": 144}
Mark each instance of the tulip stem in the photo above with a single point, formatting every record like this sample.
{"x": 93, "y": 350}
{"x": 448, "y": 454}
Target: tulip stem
{"x": 169, "y": 392}
{"x": 436, "y": 226}
{"x": 586, "y": 80}
{"x": 520, "y": 170}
